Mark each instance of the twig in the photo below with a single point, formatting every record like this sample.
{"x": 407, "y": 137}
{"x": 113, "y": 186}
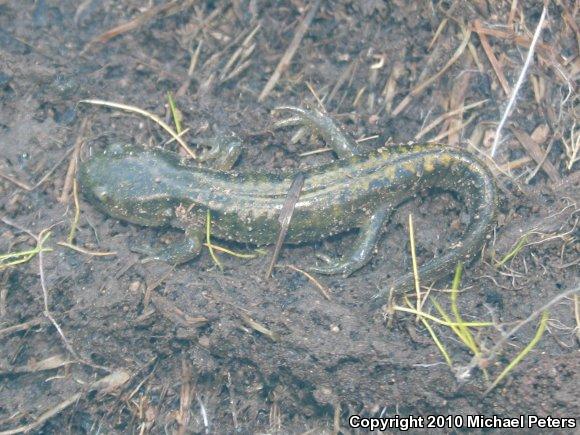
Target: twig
{"x": 47, "y": 415}
{"x": 519, "y": 83}
{"x": 290, "y": 51}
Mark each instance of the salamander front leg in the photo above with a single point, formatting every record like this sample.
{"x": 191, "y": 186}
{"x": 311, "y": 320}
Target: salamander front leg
{"x": 224, "y": 150}
{"x": 181, "y": 251}
{"x": 341, "y": 144}
{"x": 363, "y": 247}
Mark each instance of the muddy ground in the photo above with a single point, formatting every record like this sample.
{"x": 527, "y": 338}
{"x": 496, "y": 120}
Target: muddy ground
{"x": 147, "y": 347}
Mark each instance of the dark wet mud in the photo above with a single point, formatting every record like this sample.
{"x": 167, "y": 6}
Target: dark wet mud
{"x": 145, "y": 347}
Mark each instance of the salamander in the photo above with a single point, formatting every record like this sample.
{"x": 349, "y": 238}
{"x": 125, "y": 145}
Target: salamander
{"x": 359, "y": 190}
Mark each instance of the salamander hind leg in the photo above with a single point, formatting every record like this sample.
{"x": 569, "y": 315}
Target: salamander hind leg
{"x": 341, "y": 144}
{"x": 178, "y": 252}
{"x": 362, "y": 249}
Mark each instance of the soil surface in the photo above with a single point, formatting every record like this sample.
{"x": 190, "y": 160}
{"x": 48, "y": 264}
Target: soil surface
{"x": 93, "y": 343}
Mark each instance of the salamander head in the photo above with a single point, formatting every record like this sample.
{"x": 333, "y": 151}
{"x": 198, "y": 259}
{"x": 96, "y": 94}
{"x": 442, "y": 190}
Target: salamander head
{"x": 118, "y": 182}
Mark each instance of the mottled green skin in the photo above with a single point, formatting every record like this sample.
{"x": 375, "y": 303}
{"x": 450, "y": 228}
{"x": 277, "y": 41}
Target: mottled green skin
{"x": 147, "y": 186}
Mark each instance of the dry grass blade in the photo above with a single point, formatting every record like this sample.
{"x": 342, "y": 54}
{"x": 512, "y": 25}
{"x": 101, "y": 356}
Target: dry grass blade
{"x": 523, "y": 353}
{"x": 238, "y": 61}
{"x": 536, "y": 153}
{"x": 22, "y": 326}
{"x": 290, "y": 51}
{"x": 544, "y": 50}
{"x": 285, "y": 217}
{"x": 493, "y": 353}
{"x": 438, "y": 320}
{"x": 208, "y": 241}
{"x": 259, "y": 327}
{"x": 175, "y": 114}
{"x": 497, "y": 67}
{"x": 325, "y": 292}
{"x": 151, "y": 116}
{"x": 456, "y": 101}
{"x": 390, "y": 89}
{"x": 166, "y": 9}
{"x": 183, "y": 415}
{"x": 72, "y": 167}
{"x": 86, "y": 251}
{"x": 171, "y": 312}
{"x": 77, "y": 214}
{"x": 33, "y": 366}
{"x": 453, "y": 130}
{"x": 232, "y": 253}
{"x": 438, "y": 32}
{"x": 422, "y": 86}
{"x": 446, "y": 115}
{"x": 314, "y": 152}
{"x": 514, "y": 164}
